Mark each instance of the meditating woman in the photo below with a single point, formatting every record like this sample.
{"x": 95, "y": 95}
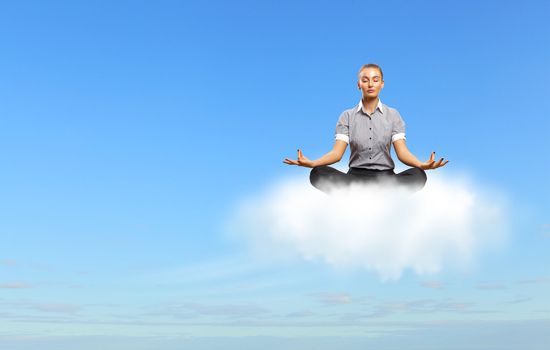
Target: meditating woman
{"x": 370, "y": 128}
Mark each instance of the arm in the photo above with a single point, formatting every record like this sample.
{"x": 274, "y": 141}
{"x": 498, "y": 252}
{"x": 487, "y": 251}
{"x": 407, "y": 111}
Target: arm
{"x": 406, "y": 157}
{"x": 330, "y": 157}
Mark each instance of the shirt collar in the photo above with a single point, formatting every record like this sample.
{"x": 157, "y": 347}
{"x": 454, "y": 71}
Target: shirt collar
{"x": 379, "y": 106}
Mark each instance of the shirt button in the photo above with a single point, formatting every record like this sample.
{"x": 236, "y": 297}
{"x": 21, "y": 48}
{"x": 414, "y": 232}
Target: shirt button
{"x": 369, "y": 148}
{"x": 370, "y": 128}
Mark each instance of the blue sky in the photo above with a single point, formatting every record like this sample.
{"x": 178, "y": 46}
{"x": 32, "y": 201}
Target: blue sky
{"x": 130, "y": 129}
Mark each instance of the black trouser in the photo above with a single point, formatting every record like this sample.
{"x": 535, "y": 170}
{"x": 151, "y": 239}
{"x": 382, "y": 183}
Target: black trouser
{"x": 325, "y": 178}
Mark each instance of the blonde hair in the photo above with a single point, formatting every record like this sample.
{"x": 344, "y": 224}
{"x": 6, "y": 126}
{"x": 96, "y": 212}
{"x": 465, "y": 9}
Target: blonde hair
{"x": 371, "y": 65}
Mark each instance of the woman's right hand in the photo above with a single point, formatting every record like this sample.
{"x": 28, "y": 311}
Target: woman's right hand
{"x": 301, "y": 161}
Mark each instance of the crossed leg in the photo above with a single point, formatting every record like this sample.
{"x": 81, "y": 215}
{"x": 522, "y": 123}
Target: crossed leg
{"x": 326, "y": 178}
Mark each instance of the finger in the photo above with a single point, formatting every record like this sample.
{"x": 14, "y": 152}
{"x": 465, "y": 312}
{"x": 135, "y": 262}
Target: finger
{"x": 429, "y": 162}
{"x": 438, "y": 163}
{"x": 300, "y": 154}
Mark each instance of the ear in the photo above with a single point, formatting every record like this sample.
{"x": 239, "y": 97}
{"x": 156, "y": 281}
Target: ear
{"x": 358, "y": 84}
{"x": 382, "y": 86}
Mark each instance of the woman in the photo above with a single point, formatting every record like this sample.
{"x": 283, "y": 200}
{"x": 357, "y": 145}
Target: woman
{"x": 370, "y": 129}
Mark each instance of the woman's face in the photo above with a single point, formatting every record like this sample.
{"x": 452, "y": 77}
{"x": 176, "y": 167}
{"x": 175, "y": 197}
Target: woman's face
{"x": 370, "y": 82}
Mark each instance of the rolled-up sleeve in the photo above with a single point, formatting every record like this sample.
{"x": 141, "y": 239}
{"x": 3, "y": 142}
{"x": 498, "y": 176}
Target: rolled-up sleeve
{"x": 342, "y": 128}
{"x": 398, "y": 128}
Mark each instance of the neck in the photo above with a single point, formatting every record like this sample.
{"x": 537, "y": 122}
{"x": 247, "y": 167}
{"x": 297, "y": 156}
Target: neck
{"x": 370, "y": 104}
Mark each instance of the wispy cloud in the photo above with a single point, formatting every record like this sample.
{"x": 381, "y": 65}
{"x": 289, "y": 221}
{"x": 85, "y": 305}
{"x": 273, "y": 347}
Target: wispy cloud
{"x": 518, "y": 299}
{"x": 432, "y": 284}
{"x": 216, "y": 278}
{"x": 385, "y": 309}
{"x": 227, "y": 310}
{"x": 57, "y": 307}
{"x": 358, "y": 307}
{"x": 540, "y": 280}
{"x": 40, "y": 312}
{"x": 379, "y": 228}
{"x": 425, "y": 306}
{"x": 220, "y": 271}
{"x": 194, "y": 310}
{"x": 8, "y": 262}
{"x": 301, "y": 314}
{"x": 490, "y": 286}
{"x": 334, "y": 298}
{"x": 15, "y": 285}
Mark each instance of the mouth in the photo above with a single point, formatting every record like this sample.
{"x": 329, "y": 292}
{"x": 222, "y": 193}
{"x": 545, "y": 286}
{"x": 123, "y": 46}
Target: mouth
{"x": 370, "y": 91}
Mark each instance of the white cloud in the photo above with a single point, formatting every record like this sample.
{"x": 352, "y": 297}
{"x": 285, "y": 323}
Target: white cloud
{"x": 385, "y": 229}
